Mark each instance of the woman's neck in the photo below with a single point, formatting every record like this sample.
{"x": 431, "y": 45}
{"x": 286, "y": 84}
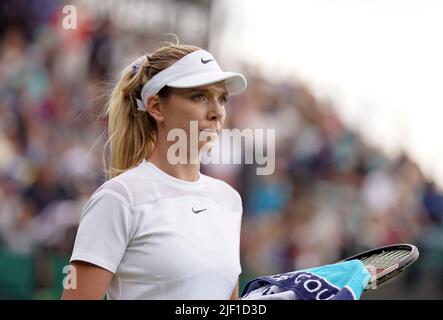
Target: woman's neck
{"x": 187, "y": 171}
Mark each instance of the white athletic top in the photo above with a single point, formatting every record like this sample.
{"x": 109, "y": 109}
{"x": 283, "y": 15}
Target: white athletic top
{"x": 162, "y": 237}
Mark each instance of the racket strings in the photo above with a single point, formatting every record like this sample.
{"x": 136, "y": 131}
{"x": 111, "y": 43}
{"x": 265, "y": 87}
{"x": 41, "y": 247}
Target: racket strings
{"x": 385, "y": 259}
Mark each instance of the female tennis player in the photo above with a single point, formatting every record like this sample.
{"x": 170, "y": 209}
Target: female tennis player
{"x": 158, "y": 229}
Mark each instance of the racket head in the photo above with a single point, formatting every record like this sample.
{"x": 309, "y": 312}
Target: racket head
{"x": 386, "y": 262}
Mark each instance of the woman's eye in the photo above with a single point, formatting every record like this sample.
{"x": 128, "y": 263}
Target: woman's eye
{"x": 199, "y": 98}
{"x": 223, "y": 99}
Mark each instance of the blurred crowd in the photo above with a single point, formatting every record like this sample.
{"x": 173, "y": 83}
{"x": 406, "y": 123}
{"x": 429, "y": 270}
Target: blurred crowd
{"x": 331, "y": 196}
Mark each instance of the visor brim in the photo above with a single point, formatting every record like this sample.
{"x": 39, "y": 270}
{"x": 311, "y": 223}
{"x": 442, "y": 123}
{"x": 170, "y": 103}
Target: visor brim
{"x": 235, "y": 83}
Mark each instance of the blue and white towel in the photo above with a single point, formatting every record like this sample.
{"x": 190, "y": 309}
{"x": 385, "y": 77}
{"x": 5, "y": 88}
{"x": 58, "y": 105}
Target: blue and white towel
{"x": 340, "y": 281}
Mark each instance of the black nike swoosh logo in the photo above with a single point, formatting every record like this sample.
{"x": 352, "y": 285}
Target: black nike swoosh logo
{"x": 198, "y": 211}
{"x": 206, "y": 61}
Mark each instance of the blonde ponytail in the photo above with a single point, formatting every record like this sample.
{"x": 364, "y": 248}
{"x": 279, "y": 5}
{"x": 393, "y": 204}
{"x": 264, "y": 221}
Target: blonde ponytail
{"x": 132, "y": 133}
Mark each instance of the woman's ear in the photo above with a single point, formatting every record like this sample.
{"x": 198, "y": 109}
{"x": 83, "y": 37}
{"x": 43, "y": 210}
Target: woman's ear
{"x": 155, "y": 108}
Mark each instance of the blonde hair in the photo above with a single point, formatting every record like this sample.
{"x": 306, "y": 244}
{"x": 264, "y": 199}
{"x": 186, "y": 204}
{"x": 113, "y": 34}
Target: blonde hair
{"x": 132, "y": 133}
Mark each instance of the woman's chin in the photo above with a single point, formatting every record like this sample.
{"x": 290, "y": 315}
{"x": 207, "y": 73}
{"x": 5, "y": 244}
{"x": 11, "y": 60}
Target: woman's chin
{"x": 203, "y": 146}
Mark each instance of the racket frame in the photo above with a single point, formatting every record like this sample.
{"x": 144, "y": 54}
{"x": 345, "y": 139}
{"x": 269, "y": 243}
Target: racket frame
{"x": 392, "y": 271}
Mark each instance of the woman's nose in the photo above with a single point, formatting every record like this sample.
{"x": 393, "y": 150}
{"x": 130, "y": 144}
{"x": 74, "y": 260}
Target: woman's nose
{"x": 217, "y": 110}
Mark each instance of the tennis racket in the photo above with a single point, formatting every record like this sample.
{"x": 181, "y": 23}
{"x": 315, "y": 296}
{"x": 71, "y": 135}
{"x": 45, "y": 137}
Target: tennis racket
{"x": 384, "y": 263}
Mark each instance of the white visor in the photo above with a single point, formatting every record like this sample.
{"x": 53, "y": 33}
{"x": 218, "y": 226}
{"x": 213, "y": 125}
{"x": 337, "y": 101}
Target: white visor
{"x": 196, "y": 69}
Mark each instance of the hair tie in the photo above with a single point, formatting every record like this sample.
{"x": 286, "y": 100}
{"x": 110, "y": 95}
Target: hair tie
{"x": 134, "y": 69}
{"x": 137, "y": 63}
